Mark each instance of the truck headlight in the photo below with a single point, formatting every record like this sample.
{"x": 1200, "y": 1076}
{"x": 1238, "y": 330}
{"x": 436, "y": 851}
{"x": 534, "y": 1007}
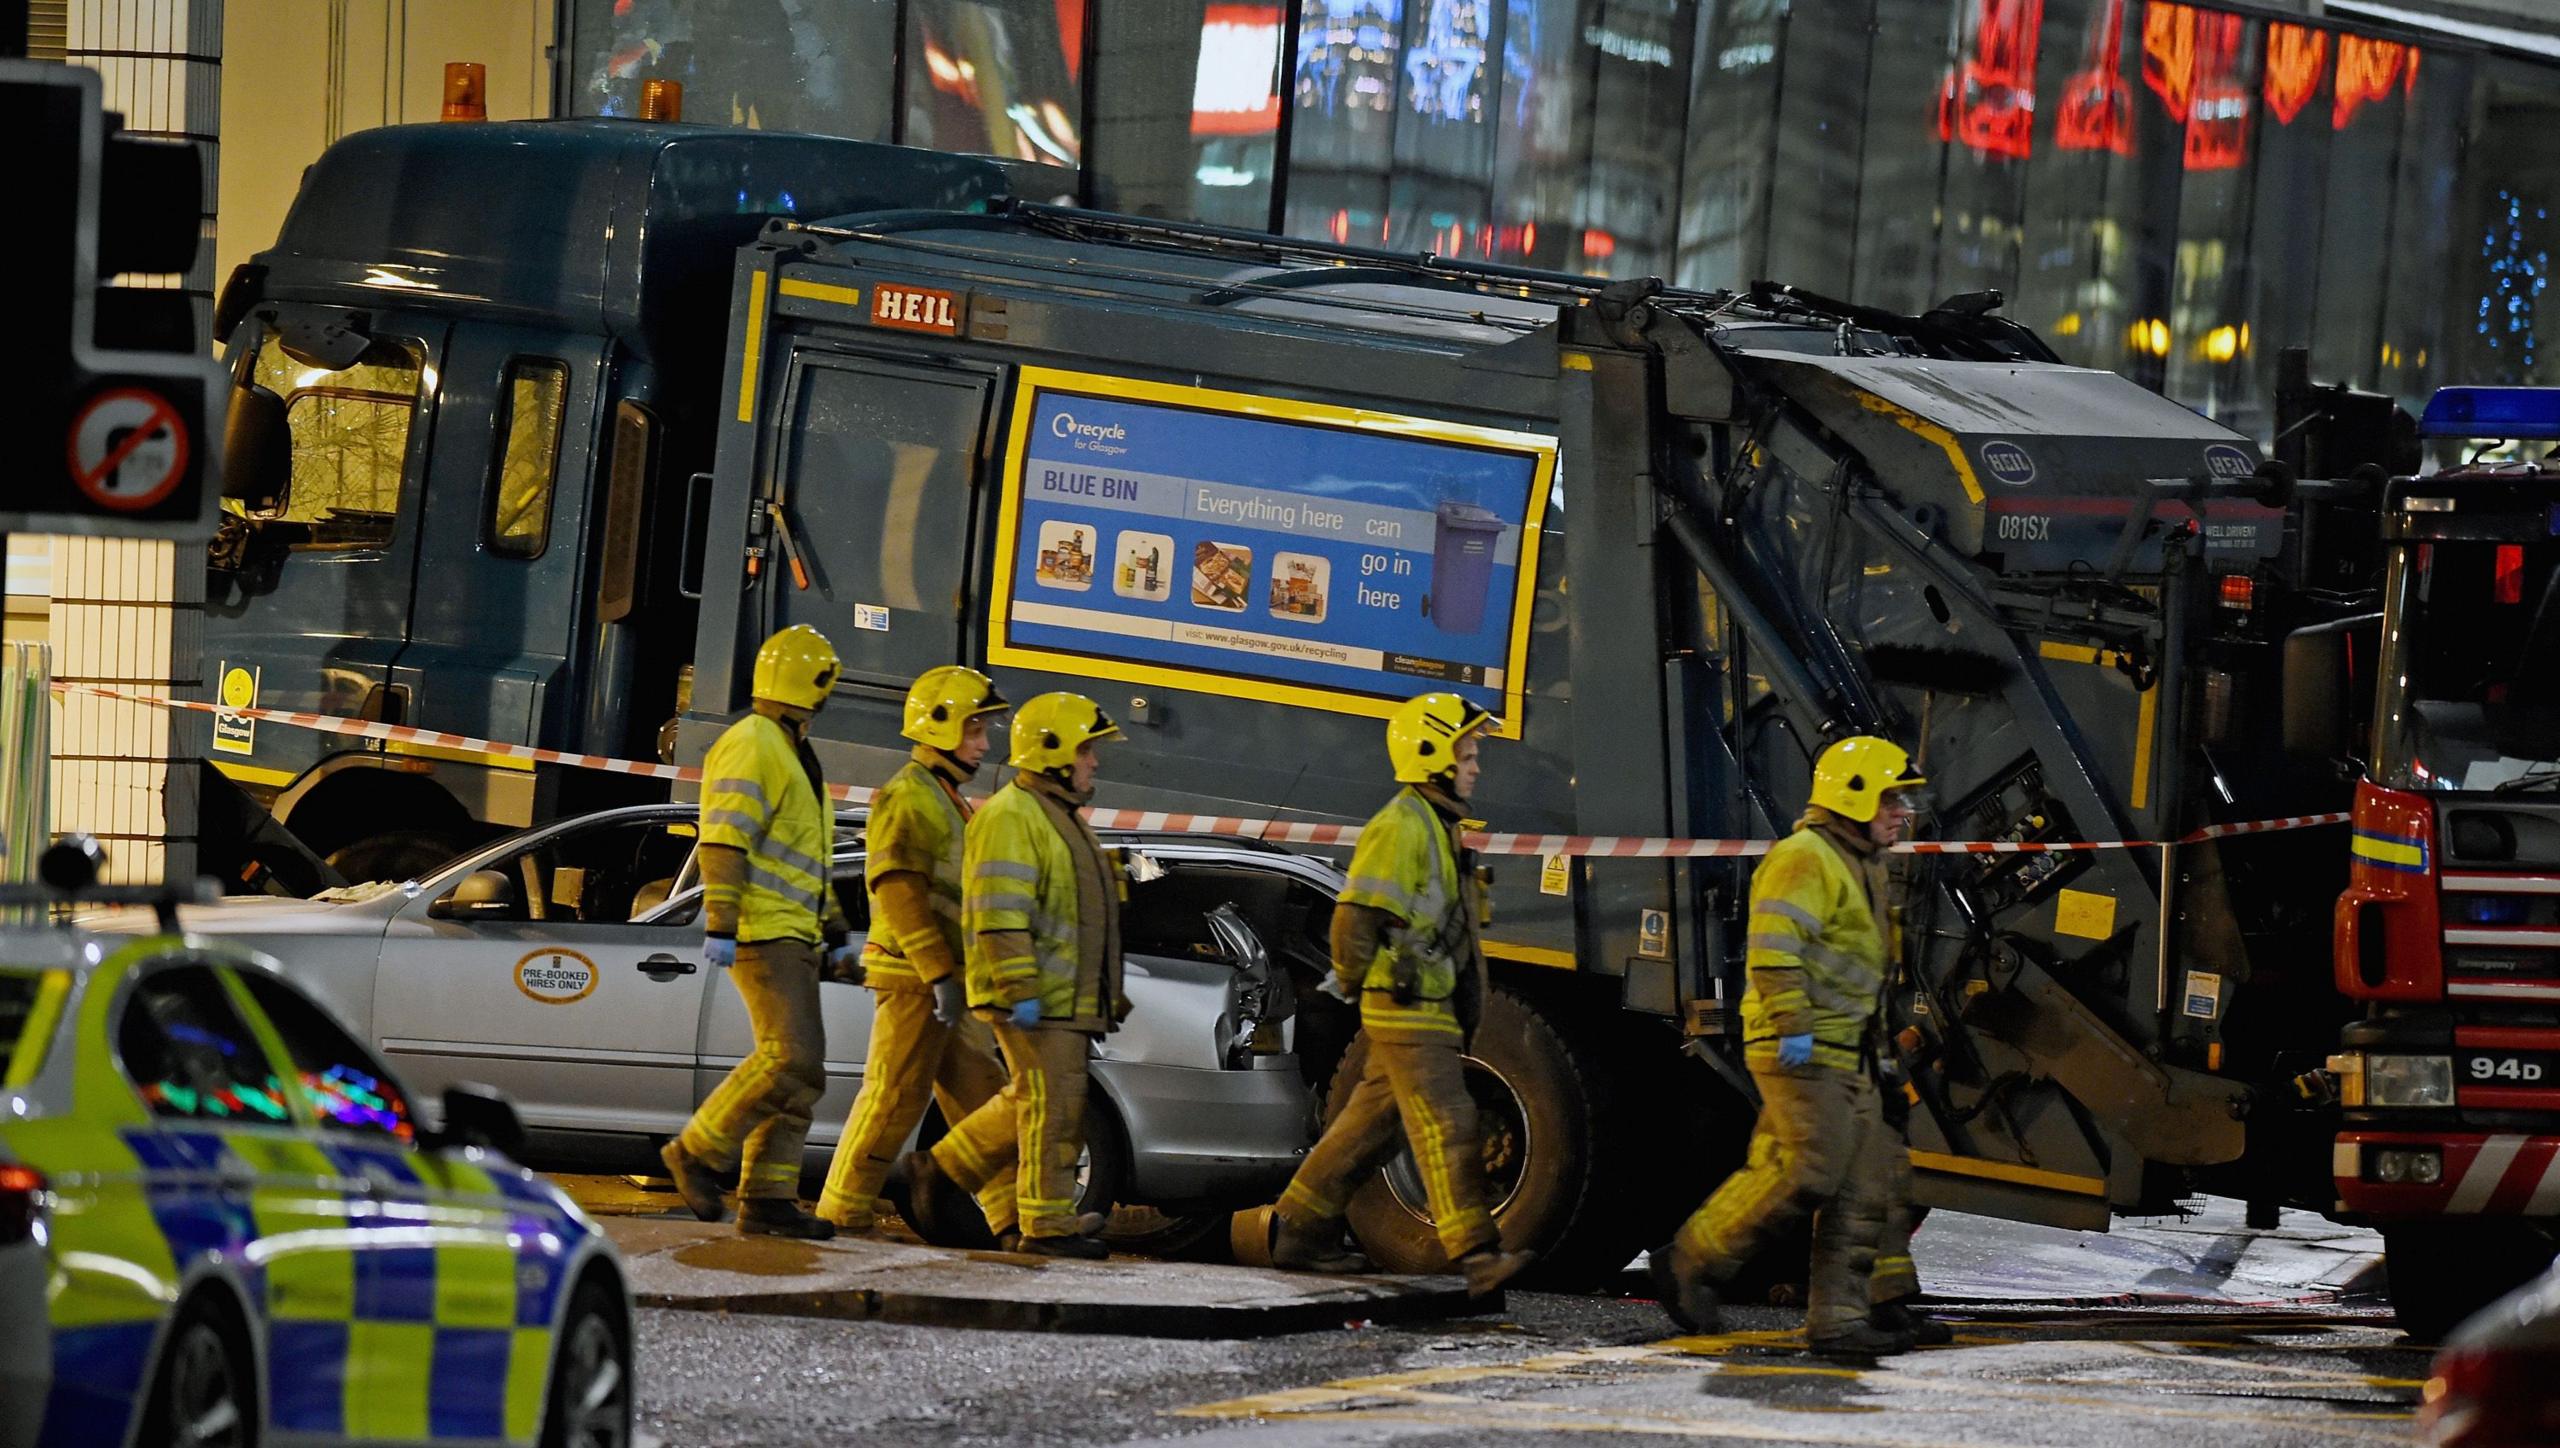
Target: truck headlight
{"x": 2408, "y": 1080}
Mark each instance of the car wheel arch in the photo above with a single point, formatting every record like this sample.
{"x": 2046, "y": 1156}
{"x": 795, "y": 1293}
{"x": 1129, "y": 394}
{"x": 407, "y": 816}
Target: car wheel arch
{"x": 217, "y": 1282}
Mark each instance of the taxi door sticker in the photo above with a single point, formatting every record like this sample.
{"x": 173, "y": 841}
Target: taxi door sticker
{"x": 556, "y": 977}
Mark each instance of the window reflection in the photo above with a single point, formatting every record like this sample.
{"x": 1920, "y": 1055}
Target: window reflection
{"x": 2174, "y": 189}
{"x": 996, "y": 78}
{"x": 780, "y": 65}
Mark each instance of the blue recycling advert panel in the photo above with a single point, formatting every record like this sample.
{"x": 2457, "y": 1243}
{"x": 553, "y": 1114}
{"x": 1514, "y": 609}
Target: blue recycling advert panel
{"x": 1267, "y": 549}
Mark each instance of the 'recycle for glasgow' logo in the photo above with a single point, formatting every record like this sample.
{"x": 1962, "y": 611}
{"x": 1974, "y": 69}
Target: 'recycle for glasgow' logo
{"x": 2009, "y": 462}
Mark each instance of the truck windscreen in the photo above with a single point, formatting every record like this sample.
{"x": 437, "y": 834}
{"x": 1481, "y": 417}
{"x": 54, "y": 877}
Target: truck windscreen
{"x": 2471, "y": 672}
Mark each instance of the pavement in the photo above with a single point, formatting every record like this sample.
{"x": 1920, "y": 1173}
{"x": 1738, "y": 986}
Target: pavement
{"x": 704, "y": 1267}
{"x": 2167, "y": 1331}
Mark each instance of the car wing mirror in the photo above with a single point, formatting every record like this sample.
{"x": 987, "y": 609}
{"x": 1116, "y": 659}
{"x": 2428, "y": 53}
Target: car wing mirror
{"x": 482, "y": 895}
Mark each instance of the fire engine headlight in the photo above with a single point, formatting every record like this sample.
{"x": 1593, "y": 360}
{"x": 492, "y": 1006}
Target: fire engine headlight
{"x": 2420, "y": 1165}
{"x": 2408, "y": 1080}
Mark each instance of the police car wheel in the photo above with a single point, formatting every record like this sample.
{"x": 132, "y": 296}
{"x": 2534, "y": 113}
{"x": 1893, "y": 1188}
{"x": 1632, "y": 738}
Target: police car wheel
{"x": 590, "y": 1403}
{"x": 202, "y": 1396}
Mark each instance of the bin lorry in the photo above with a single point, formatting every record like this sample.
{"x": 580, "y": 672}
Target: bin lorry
{"x": 539, "y": 427}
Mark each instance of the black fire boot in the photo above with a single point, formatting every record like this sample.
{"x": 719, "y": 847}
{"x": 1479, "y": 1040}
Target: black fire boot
{"x": 1687, "y": 1298}
{"x": 1312, "y": 1249}
{"x": 694, "y": 1182}
{"x": 1903, "y": 1314}
{"x": 781, "y": 1217}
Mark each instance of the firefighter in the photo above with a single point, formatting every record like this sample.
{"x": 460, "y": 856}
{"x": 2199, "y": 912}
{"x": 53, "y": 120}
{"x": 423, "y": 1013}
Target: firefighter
{"x": 1816, "y": 963}
{"x": 1404, "y": 936}
{"x": 924, "y": 1044}
{"x": 1894, "y": 1288}
{"x": 769, "y": 912}
{"x": 1041, "y": 910}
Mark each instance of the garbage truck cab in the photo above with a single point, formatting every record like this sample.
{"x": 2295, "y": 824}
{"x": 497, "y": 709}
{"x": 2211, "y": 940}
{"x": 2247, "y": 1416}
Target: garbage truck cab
{"x": 464, "y": 415}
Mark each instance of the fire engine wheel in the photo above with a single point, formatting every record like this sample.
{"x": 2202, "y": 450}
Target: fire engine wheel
{"x": 1557, "y": 1173}
{"x": 2442, "y": 1272}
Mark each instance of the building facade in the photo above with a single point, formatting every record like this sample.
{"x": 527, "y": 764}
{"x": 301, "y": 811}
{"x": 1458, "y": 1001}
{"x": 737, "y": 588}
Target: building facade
{"x": 2172, "y": 191}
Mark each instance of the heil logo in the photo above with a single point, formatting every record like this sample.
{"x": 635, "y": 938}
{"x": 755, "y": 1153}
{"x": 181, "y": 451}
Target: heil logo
{"x": 2009, "y": 463}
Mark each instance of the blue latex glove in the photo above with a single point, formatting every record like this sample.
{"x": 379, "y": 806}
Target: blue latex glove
{"x": 720, "y": 950}
{"x": 1026, "y": 1014}
{"x": 950, "y": 1000}
{"x": 844, "y": 957}
{"x": 1795, "y": 1050}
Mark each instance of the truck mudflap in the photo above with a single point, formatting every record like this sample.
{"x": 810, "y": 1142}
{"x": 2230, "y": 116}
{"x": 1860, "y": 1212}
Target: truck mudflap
{"x": 2445, "y": 1174}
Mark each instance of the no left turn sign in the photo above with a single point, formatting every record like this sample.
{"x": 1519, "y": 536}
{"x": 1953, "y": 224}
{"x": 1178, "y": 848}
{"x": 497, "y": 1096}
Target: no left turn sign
{"x": 128, "y": 449}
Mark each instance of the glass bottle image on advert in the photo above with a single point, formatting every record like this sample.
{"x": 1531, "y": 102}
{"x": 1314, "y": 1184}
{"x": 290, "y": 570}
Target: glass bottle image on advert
{"x": 1462, "y": 553}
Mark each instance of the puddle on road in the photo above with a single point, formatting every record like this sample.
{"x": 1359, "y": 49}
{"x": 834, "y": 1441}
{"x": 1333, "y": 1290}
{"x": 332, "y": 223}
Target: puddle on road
{"x": 753, "y": 1256}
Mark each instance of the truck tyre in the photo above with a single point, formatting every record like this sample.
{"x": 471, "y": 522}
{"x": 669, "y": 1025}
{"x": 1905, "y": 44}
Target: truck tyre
{"x": 396, "y": 855}
{"x": 2442, "y": 1272}
{"x": 1553, "y": 1164}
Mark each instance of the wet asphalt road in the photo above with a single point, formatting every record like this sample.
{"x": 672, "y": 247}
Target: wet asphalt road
{"x": 1549, "y": 1369}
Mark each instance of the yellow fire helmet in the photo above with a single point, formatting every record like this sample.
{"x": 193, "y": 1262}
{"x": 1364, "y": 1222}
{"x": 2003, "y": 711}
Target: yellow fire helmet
{"x": 944, "y": 700}
{"x": 1851, "y": 777}
{"x": 1423, "y": 734}
{"x": 1048, "y": 730}
{"x": 796, "y": 667}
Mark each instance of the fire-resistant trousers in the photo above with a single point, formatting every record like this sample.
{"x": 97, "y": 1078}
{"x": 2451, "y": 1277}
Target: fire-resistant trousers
{"x": 758, "y": 1118}
{"x": 1036, "y": 1121}
{"x": 1821, "y": 1148}
{"x": 913, "y": 1059}
{"x": 1895, "y": 1276}
{"x": 1423, "y": 1090}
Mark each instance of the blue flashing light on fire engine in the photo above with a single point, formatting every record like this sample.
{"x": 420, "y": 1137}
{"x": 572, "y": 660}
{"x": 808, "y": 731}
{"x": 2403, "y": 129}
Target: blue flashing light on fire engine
{"x": 2492, "y": 412}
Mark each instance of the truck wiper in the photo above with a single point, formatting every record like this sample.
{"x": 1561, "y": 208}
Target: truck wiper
{"x": 2532, "y": 779}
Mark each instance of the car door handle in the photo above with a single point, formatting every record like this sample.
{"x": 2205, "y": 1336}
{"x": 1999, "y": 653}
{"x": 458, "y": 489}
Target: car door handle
{"x": 667, "y": 967}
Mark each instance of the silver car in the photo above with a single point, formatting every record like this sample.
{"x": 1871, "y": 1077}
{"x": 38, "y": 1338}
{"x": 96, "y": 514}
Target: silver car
{"x": 563, "y": 966}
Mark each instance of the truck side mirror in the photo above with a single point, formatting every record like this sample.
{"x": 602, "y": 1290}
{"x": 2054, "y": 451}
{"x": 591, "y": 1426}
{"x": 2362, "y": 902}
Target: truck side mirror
{"x": 2328, "y": 684}
{"x": 257, "y": 450}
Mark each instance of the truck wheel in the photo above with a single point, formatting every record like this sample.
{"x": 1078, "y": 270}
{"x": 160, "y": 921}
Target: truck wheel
{"x": 1552, "y": 1162}
{"x": 2442, "y": 1272}
{"x": 395, "y": 856}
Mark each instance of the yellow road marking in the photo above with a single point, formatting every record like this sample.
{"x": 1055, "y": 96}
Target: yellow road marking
{"x": 1404, "y": 1396}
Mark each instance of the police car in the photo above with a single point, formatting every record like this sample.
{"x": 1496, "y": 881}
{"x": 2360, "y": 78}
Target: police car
{"x": 223, "y": 1221}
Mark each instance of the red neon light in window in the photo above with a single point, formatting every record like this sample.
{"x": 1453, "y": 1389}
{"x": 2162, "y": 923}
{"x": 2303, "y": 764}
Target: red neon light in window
{"x": 2191, "y": 60}
{"x": 2367, "y": 70}
{"x": 2097, "y": 108}
{"x": 2510, "y": 572}
{"x": 2218, "y": 103}
{"x": 2296, "y": 55}
{"x": 2169, "y": 55}
{"x": 1598, "y": 245}
{"x": 1989, "y": 101}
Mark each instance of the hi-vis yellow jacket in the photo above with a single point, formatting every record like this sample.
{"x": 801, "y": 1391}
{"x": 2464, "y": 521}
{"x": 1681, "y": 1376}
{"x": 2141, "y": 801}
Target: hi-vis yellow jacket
{"x": 1816, "y": 963}
{"x": 1407, "y": 865}
{"x": 758, "y": 798}
{"x": 916, "y": 825}
{"x": 1032, "y": 864}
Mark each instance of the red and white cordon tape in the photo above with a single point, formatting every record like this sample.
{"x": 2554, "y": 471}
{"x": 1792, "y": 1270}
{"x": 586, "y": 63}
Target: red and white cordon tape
{"x": 1294, "y": 832}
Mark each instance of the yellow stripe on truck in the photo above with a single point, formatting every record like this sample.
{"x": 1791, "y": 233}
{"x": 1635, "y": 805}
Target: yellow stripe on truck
{"x": 749, "y": 360}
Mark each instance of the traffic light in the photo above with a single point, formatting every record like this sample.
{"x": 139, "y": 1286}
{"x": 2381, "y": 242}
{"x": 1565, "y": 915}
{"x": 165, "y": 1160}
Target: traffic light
{"x": 107, "y": 432}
